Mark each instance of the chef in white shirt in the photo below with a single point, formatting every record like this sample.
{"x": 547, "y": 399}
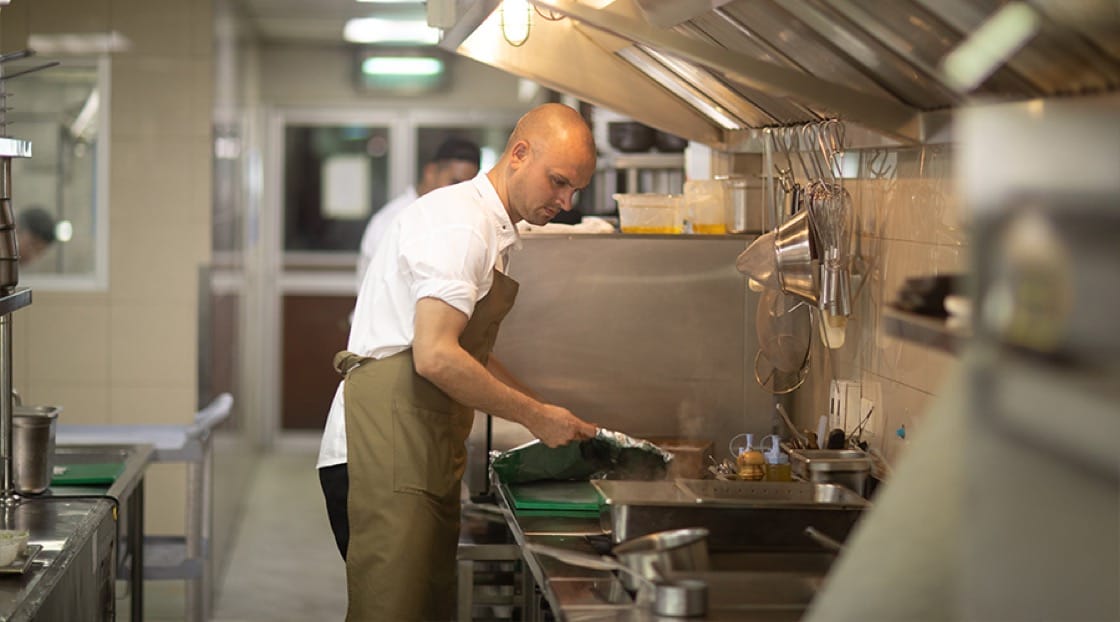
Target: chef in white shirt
{"x": 455, "y": 160}
{"x": 418, "y": 364}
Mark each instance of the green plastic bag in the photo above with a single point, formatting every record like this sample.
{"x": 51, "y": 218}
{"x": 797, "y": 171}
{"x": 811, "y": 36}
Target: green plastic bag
{"x": 608, "y": 455}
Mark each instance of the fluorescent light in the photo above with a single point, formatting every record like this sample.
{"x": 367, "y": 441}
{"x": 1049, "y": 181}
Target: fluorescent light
{"x": 990, "y": 46}
{"x": 402, "y": 66}
{"x": 379, "y": 30}
{"x": 393, "y": 1}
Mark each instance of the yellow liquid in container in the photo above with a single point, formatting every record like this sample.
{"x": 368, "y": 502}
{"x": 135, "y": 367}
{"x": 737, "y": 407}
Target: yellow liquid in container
{"x": 716, "y": 229}
{"x": 651, "y": 229}
{"x": 779, "y": 472}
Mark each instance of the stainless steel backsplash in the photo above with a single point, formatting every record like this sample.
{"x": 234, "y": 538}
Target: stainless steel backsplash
{"x": 651, "y": 336}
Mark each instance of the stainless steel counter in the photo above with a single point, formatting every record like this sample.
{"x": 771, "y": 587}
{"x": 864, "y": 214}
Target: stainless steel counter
{"x": 101, "y": 526}
{"x": 128, "y": 490}
{"x": 737, "y": 584}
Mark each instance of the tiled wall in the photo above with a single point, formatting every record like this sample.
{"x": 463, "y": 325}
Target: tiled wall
{"x": 909, "y": 223}
{"x": 129, "y": 354}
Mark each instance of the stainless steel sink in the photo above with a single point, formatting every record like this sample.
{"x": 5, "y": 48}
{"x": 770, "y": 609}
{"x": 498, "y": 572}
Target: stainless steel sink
{"x": 798, "y": 493}
{"x": 740, "y": 516}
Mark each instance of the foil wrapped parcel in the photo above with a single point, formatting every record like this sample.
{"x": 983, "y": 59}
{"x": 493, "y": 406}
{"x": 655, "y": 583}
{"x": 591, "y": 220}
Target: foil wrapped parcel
{"x": 607, "y": 455}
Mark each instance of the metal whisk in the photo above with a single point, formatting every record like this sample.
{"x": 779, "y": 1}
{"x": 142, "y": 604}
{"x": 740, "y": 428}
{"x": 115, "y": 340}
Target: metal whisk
{"x": 830, "y": 208}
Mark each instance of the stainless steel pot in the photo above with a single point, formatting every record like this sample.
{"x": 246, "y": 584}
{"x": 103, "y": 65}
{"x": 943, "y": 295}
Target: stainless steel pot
{"x": 33, "y": 448}
{"x": 669, "y": 551}
{"x": 683, "y": 598}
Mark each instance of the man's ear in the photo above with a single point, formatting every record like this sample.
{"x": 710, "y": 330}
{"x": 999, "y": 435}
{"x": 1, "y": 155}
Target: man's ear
{"x": 519, "y": 154}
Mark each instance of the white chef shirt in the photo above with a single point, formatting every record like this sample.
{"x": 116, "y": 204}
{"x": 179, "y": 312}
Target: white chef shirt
{"x": 378, "y": 225}
{"x": 446, "y": 245}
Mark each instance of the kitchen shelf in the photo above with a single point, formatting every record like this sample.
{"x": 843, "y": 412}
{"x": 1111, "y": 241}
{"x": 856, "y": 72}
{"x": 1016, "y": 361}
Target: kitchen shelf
{"x": 652, "y": 160}
{"x": 15, "y": 300}
{"x": 924, "y": 330}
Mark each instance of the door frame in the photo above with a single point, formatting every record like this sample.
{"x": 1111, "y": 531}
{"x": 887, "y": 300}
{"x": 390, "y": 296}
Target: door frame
{"x": 277, "y": 281}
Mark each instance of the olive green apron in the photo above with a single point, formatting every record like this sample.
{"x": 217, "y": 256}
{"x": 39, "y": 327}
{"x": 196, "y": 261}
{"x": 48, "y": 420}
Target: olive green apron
{"x": 406, "y": 453}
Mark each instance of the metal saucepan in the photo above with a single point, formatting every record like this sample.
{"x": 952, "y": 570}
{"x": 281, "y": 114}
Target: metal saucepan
{"x": 675, "y": 550}
{"x": 679, "y": 598}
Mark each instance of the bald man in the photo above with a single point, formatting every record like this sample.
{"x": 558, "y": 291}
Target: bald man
{"x": 418, "y": 364}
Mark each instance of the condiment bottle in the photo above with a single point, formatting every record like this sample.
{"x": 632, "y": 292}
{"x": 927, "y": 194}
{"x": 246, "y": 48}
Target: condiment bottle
{"x": 777, "y": 466}
{"x": 751, "y": 462}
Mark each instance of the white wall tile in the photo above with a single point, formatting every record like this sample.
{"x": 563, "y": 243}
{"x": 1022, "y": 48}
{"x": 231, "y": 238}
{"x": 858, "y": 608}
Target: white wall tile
{"x": 153, "y": 344}
{"x": 68, "y": 343}
{"x": 155, "y": 27}
{"x": 159, "y": 97}
{"x": 904, "y": 407}
{"x": 157, "y": 181}
{"x": 68, "y": 16}
{"x": 81, "y": 404}
{"x": 158, "y": 404}
{"x": 155, "y": 262}
{"x": 201, "y": 27}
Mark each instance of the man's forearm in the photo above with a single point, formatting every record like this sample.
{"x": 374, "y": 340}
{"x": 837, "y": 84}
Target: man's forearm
{"x": 466, "y": 381}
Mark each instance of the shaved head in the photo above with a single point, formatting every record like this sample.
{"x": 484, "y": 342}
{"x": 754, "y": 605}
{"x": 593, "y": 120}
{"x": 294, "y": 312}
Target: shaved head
{"x": 549, "y": 156}
{"x": 553, "y": 124}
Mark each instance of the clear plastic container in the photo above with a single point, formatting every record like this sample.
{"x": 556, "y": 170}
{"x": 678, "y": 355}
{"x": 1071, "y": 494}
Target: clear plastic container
{"x": 705, "y": 203}
{"x": 649, "y": 213}
{"x": 735, "y": 190}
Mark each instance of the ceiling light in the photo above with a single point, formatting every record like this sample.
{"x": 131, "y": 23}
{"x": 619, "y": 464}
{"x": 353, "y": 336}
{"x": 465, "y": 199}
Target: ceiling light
{"x": 402, "y": 66}
{"x": 402, "y": 71}
{"x": 393, "y": 1}
{"x": 990, "y": 46}
{"x": 516, "y": 21}
{"x": 379, "y": 30}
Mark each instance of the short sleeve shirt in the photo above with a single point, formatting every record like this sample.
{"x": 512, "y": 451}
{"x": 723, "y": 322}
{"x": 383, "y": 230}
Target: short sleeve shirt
{"x": 445, "y": 245}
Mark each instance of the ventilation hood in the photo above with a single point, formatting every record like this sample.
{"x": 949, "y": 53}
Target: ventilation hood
{"x": 716, "y": 72}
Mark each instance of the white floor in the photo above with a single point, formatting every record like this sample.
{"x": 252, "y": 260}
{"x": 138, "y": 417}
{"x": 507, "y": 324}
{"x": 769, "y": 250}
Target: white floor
{"x": 284, "y": 565}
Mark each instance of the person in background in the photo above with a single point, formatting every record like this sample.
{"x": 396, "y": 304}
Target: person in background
{"x": 455, "y": 160}
{"x": 418, "y": 365}
{"x": 34, "y": 233}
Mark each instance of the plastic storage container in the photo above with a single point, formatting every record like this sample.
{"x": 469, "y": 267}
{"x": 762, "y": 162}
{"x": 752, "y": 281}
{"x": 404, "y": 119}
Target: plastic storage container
{"x": 649, "y": 213}
{"x": 705, "y": 206}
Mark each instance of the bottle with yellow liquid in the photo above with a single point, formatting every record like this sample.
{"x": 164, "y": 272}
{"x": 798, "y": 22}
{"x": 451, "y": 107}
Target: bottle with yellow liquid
{"x": 750, "y": 462}
{"x": 777, "y": 463}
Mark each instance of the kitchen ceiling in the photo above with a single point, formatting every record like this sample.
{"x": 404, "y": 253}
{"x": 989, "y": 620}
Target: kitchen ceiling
{"x": 317, "y": 21}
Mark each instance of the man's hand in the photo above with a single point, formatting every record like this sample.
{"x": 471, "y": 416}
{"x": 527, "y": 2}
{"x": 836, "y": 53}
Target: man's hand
{"x": 557, "y": 426}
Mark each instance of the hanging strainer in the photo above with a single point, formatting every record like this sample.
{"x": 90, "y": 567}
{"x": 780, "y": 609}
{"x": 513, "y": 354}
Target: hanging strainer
{"x": 784, "y": 328}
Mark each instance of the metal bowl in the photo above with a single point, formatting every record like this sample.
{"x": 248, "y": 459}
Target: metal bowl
{"x": 795, "y": 254}
{"x": 630, "y": 136}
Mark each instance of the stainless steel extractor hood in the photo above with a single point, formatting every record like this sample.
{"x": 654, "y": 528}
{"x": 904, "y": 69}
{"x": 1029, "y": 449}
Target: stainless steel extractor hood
{"x": 713, "y": 71}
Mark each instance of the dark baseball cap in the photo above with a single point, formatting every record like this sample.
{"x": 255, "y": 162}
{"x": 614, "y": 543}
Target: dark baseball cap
{"x": 455, "y": 148}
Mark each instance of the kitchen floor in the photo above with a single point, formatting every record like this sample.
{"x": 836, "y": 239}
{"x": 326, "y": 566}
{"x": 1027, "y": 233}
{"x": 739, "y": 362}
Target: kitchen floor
{"x": 284, "y": 565}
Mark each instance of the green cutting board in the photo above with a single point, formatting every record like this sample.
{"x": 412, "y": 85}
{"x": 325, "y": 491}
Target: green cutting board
{"x": 548, "y": 497}
{"x": 98, "y": 474}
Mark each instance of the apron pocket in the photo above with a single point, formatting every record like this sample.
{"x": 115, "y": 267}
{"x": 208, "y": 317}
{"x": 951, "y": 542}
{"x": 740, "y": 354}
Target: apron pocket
{"x": 423, "y": 448}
